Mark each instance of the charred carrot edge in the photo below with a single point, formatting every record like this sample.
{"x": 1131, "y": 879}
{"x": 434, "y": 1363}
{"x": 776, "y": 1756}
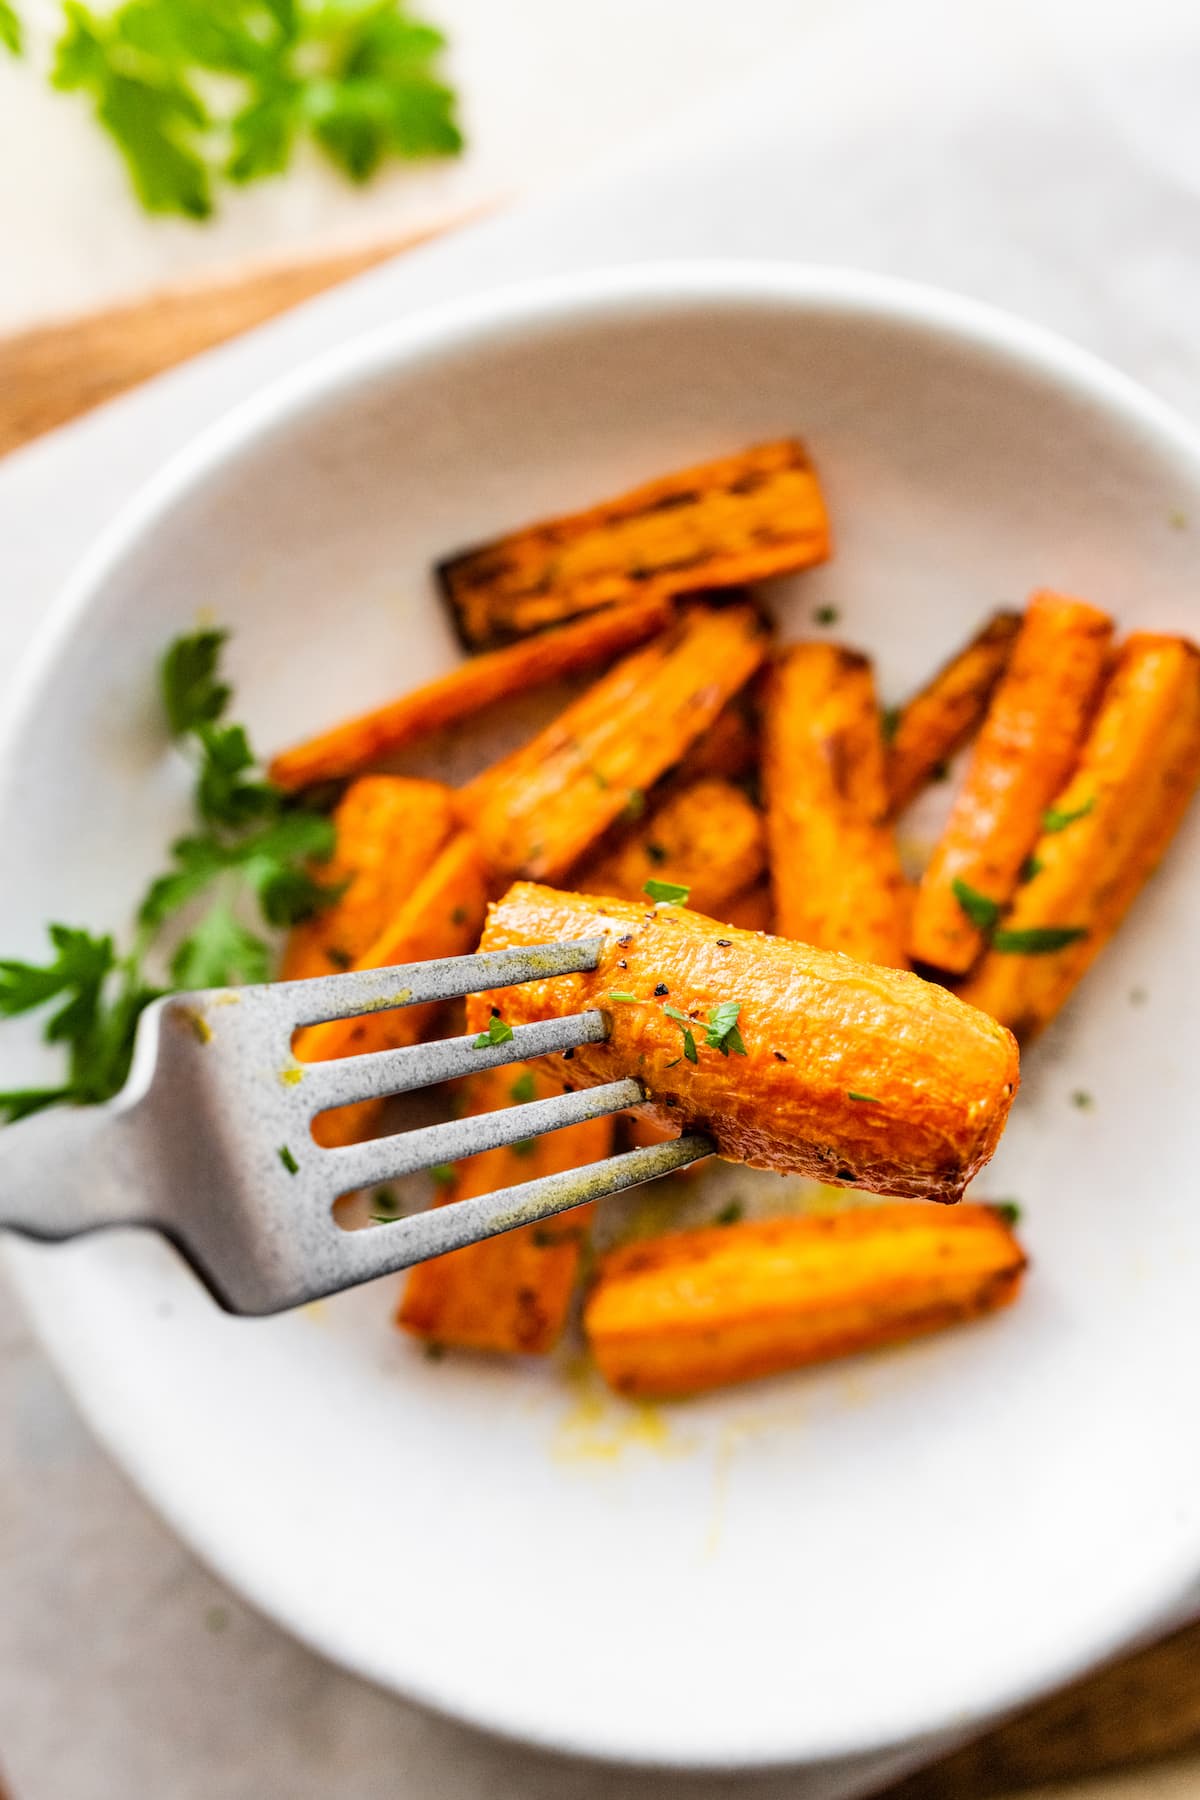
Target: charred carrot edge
{"x": 702, "y": 1309}
{"x": 510, "y": 1293}
{"x": 707, "y": 837}
{"x": 1035, "y": 725}
{"x": 1103, "y": 837}
{"x": 719, "y": 524}
{"x": 835, "y": 868}
{"x": 851, "y": 1073}
{"x": 388, "y": 831}
{"x": 729, "y": 748}
{"x": 442, "y": 918}
{"x": 466, "y": 690}
{"x": 541, "y": 809}
{"x": 938, "y": 720}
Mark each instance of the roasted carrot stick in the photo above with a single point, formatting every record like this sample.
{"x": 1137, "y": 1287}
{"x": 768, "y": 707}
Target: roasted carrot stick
{"x": 729, "y": 747}
{"x": 751, "y": 910}
{"x": 708, "y": 837}
{"x": 701, "y": 1309}
{"x": 538, "y": 811}
{"x": 723, "y": 523}
{"x": 442, "y": 917}
{"x": 1030, "y": 740}
{"x": 835, "y": 870}
{"x": 938, "y": 720}
{"x": 1103, "y": 837}
{"x": 850, "y": 1072}
{"x": 512, "y": 1292}
{"x": 479, "y": 682}
{"x": 389, "y": 830}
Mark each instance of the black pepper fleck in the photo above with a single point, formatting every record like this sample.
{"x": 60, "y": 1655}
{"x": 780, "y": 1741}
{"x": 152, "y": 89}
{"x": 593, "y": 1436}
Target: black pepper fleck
{"x": 625, "y": 941}
{"x": 724, "y": 943}
{"x": 495, "y": 1012}
{"x": 621, "y": 963}
{"x": 662, "y": 989}
{"x": 779, "y": 1056}
{"x": 567, "y": 1055}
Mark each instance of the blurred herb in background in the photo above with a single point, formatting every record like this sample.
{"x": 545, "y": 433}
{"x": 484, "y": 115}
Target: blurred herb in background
{"x": 200, "y": 92}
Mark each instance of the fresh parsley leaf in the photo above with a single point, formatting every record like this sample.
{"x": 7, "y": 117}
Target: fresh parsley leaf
{"x": 357, "y": 76}
{"x": 889, "y": 723}
{"x": 722, "y": 1033}
{"x": 1009, "y": 1211}
{"x": 1033, "y": 865}
{"x": 1038, "y": 940}
{"x": 497, "y": 1033}
{"x": 1057, "y": 819}
{"x": 288, "y": 1160}
{"x": 635, "y": 804}
{"x": 21, "y": 1103}
{"x": 622, "y": 998}
{"x": 826, "y": 615}
{"x": 188, "y": 679}
{"x": 1083, "y": 1100}
{"x": 673, "y": 1012}
{"x": 667, "y": 893}
{"x": 733, "y": 1214}
{"x": 220, "y": 952}
{"x": 867, "y": 1099}
{"x": 11, "y": 35}
{"x": 689, "y": 1047}
{"x": 979, "y": 909}
{"x": 443, "y": 1174}
{"x": 524, "y": 1146}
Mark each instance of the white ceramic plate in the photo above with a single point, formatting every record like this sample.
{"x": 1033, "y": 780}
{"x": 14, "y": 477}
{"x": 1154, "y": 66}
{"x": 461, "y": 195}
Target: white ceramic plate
{"x": 827, "y": 1563}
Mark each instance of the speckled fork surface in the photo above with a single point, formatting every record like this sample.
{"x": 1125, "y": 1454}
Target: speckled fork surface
{"x": 211, "y": 1142}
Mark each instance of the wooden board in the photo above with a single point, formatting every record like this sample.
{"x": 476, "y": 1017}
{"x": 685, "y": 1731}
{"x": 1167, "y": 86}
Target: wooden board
{"x": 1146, "y": 1705}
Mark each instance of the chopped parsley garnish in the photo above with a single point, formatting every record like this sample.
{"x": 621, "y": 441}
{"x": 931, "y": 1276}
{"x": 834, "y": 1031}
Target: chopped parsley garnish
{"x": 1009, "y": 1211}
{"x": 635, "y": 804}
{"x": 657, "y": 854}
{"x": 1033, "y": 865}
{"x": 1083, "y": 1100}
{"x": 11, "y": 35}
{"x": 524, "y": 1146}
{"x": 622, "y": 998}
{"x": 288, "y": 1160}
{"x": 250, "y": 847}
{"x": 386, "y": 1203}
{"x": 889, "y": 723}
{"x": 497, "y": 1033}
{"x": 1058, "y": 818}
{"x": 195, "y": 95}
{"x": 443, "y": 1174}
{"x": 1037, "y": 940}
{"x": 979, "y": 909}
{"x": 733, "y": 1214}
{"x": 867, "y": 1099}
{"x": 524, "y": 1087}
{"x": 722, "y": 1032}
{"x": 689, "y": 1041}
{"x": 667, "y": 893}
{"x": 826, "y": 615}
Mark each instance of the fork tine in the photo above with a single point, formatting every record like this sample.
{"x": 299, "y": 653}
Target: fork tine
{"x": 364, "y": 1255}
{"x": 385, "y": 1159}
{"x": 381, "y": 1072}
{"x": 378, "y": 990}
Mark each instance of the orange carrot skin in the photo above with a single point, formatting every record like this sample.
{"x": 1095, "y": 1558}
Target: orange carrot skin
{"x": 510, "y": 1293}
{"x": 938, "y": 720}
{"x": 835, "y": 868}
{"x": 718, "y": 525}
{"x": 697, "y": 1310}
{"x": 707, "y": 837}
{"x": 478, "y": 683}
{"x": 540, "y": 810}
{"x": 442, "y": 917}
{"x": 853, "y": 1072}
{"x": 388, "y": 831}
{"x": 1136, "y": 777}
{"x": 1029, "y": 743}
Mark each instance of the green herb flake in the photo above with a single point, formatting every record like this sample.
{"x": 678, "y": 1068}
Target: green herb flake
{"x": 722, "y": 1030}
{"x": 497, "y": 1033}
{"x": 1084, "y": 1101}
{"x": 523, "y": 1088}
{"x": 443, "y": 1174}
{"x": 689, "y": 1047}
{"x": 1177, "y": 520}
{"x": 288, "y": 1160}
{"x": 733, "y": 1214}
{"x": 981, "y": 911}
{"x": 1038, "y": 940}
{"x": 622, "y": 998}
{"x": 889, "y": 723}
{"x": 866, "y": 1099}
{"x": 524, "y": 1146}
{"x": 1031, "y": 867}
{"x": 826, "y": 615}
{"x": 1008, "y": 1210}
{"x": 600, "y": 778}
{"x": 1058, "y": 818}
{"x": 11, "y": 34}
{"x": 386, "y": 1204}
{"x": 666, "y": 893}
{"x": 635, "y": 804}
{"x": 656, "y": 853}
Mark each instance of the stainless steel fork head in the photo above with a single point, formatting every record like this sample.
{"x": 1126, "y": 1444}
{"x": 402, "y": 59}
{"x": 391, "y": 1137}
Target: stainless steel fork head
{"x": 211, "y": 1142}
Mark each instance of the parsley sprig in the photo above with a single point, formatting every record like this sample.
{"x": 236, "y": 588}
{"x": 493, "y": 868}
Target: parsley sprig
{"x": 250, "y": 844}
{"x": 197, "y": 92}
{"x": 1032, "y": 940}
{"x": 11, "y": 35}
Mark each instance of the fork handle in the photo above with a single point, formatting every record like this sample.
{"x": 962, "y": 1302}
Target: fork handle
{"x": 69, "y": 1170}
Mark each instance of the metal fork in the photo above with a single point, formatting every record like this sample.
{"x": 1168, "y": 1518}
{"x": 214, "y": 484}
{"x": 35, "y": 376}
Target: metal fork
{"x": 210, "y": 1142}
